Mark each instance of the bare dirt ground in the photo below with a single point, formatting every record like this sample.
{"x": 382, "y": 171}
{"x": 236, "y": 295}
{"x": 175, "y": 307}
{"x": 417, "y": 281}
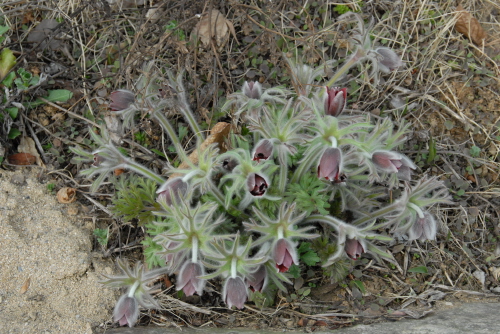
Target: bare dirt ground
{"x": 49, "y": 273}
{"x": 448, "y": 89}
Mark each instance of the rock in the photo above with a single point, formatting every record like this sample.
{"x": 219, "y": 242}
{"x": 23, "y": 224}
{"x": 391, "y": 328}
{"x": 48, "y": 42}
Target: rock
{"x": 18, "y": 179}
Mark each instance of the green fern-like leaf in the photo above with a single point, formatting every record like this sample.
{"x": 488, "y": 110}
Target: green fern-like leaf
{"x": 135, "y": 198}
{"x": 150, "y": 253}
{"x": 307, "y": 254}
{"x": 309, "y": 195}
{"x": 325, "y": 248}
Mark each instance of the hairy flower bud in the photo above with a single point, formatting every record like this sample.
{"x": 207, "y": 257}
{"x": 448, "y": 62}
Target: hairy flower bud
{"x": 175, "y": 187}
{"x": 335, "y": 101}
{"x": 235, "y": 292}
{"x": 284, "y": 254}
{"x": 258, "y": 280}
{"x": 388, "y": 60}
{"x": 353, "y": 248}
{"x": 263, "y": 150}
{"x": 393, "y": 162}
{"x": 188, "y": 280}
{"x": 252, "y": 89}
{"x": 330, "y": 164}
{"x": 98, "y": 159}
{"x": 423, "y": 229}
{"x": 126, "y": 311}
{"x": 256, "y": 184}
{"x": 121, "y": 99}
{"x": 229, "y": 164}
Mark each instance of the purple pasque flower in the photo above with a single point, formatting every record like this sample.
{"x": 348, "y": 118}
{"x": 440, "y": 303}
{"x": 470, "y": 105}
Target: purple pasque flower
{"x": 393, "y": 162}
{"x": 235, "y": 292}
{"x": 187, "y": 279}
{"x": 257, "y": 280}
{"x": 263, "y": 150}
{"x": 121, "y": 99}
{"x": 354, "y": 248}
{"x": 98, "y": 159}
{"x": 335, "y": 101}
{"x": 257, "y": 184}
{"x": 425, "y": 228}
{"x": 173, "y": 188}
{"x": 228, "y": 164}
{"x": 330, "y": 165}
{"x": 252, "y": 89}
{"x": 388, "y": 60}
{"x": 126, "y": 311}
{"x": 284, "y": 255}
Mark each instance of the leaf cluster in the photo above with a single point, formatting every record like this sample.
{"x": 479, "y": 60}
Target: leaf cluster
{"x": 135, "y": 198}
{"x": 309, "y": 194}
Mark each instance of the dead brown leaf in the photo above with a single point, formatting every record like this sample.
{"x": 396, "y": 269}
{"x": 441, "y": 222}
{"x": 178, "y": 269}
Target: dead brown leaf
{"x": 22, "y": 159}
{"x": 66, "y": 195}
{"x": 27, "y": 145}
{"x": 25, "y": 286}
{"x": 119, "y": 171}
{"x": 302, "y": 322}
{"x": 469, "y": 26}
{"x": 218, "y": 134}
{"x": 213, "y": 25}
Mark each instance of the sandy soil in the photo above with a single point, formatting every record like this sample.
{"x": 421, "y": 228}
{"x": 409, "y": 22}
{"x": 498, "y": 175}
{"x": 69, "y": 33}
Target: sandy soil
{"x": 50, "y": 245}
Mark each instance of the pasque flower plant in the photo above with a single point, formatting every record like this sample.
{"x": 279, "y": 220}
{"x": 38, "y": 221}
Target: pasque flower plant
{"x": 237, "y": 215}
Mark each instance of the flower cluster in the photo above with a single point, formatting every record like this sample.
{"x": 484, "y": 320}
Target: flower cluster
{"x": 233, "y": 215}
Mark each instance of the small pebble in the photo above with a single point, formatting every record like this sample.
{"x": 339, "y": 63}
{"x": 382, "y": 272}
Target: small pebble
{"x": 32, "y": 315}
{"x": 18, "y": 179}
{"x": 72, "y": 211}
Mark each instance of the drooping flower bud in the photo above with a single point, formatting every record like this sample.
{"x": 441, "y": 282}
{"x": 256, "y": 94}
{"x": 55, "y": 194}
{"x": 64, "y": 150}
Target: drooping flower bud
{"x": 258, "y": 280}
{"x": 263, "y": 150}
{"x": 252, "y": 89}
{"x": 335, "y": 101}
{"x": 393, "y": 162}
{"x": 229, "y": 164}
{"x": 121, "y": 99}
{"x": 235, "y": 292}
{"x": 388, "y": 60}
{"x": 353, "y": 248}
{"x": 423, "y": 229}
{"x": 256, "y": 184}
{"x": 126, "y": 311}
{"x": 284, "y": 254}
{"x": 330, "y": 165}
{"x": 175, "y": 187}
{"x": 188, "y": 280}
{"x": 98, "y": 159}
